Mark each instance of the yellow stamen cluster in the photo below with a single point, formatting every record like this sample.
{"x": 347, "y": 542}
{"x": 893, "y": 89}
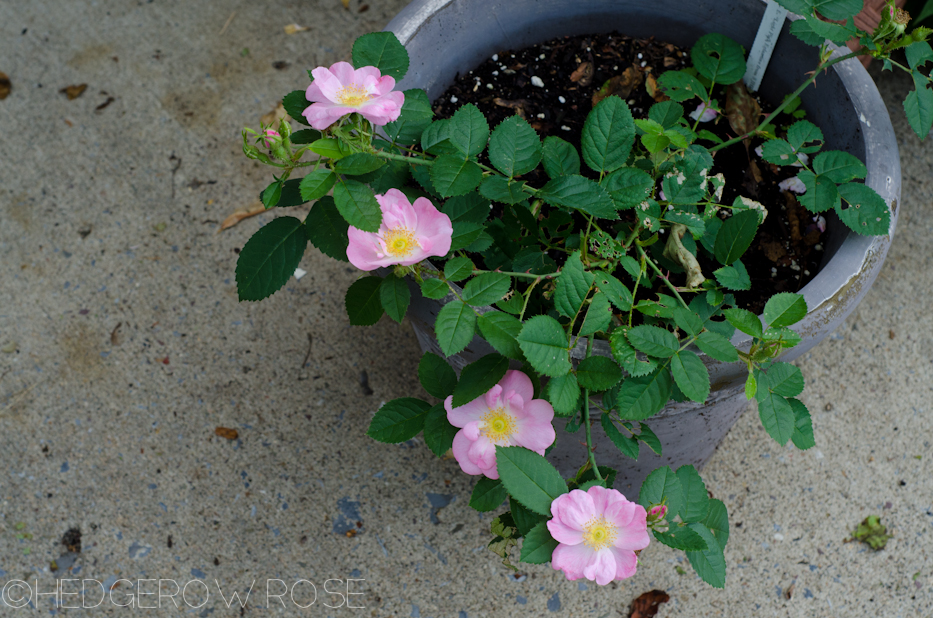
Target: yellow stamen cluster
{"x": 400, "y": 242}
{"x": 498, "y": 425}
{"x": 353, "y": 95}
{"x": 599, "y": 533}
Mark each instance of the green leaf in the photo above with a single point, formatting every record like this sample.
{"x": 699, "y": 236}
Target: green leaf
{"x": 608, "y": 135}
{"x": 316, "y": 184}
{"x": 654, "y": 341}
{"x": 559, "y": 157}
{"x": 398, "y": 420}
{"x": 538, "y": 545}
{"x": 364, "y": 301}
{"x": 470, "y": 207}
{"x": 434, "y": 288}
{"x": 785, "y": 379}
{"x": 529, "y": 478}
{"x": 545, "y": 345}
{"x": 394, "y": 296}
{"x": 685, "y": 184}
{"x": 837, "y": 33}
{"x": 777, "y": 415}
{"x": 691, "y": 375}
{"x": 438, "y": 432}
{"x": 598, "y": 316}
{"x": 488, "y": 494}
{"x": 304, "y": 136}
{"x": 718, "y": 522}
{"x": 329, "y": 148}
{"x": 784, "y": 309}
{"x": 733, "y": 277}
{"x": 598, "y": 373}
{"x": 326, "y": 229}
{"x": 458, "y": 268}
{"x": 821, "y": 193}
{"x": 358, "y": 205}
{"x": 626, "y": 355}
{"x": 478, "y": 378}
{"x": 695, "y": 506}
{"x": 294, "y": 103}
{"x": 627, "y": 445}
{"x": 499, "y": 189}
{"x": 718, "y": 58}
{"x": 836, "y": 9}
{"x": 867, "y": 213}
{"x": 564, "y": 394}
{"x": 681, "y": 538}
{"x": 514, "y": 147}
{"x": 779, "y": 152}
{"x": 501, "y": 331}
{"x": 709, "y": 564}
{"x": 614, "y": 290}
{"x": 573, "y": 285}
{"x": 718, "y": 347}
{"x": 452, "y": 175}
{"x": 803, "y": 132}
{"x": 688, "y": 321}
{"x": 838, "y": 166}
{"x": 465, "y": 233}
{"x": 662, "y": 485}
{"x": 468, "y": 130}
{"x": 436, "y": 376}
{"x": 358, "y": 163}
{"x": 786, "y": 336}
{"x": 525, "y": 520}
{"x": 803, "y": 426}
{"x": 435, "y": 138}
{"x": 269, "y": 258}
{"x": 751, "y": 387}
{"x": 580, "y": 193}
{"x": 649, "y": 438}
{"x": 735, "y": 236}
{"x": 383, "y": 51}
{"x": 919, "y": 105}
{"x": 628, "y": 187}
{"x": 415, "y": 117}
{"x": 486, "y": 288}
{"x": 272, "y": 194}
{"x": 454, "y": 327}
{"x": 666, "y": 113}
{"x": 745, "y": 321}
{"x": 642, "y": 397}
{"x": 681, "y": 86}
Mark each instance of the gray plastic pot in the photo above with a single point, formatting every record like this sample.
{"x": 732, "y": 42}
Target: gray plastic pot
{"x": 447, "y": 37}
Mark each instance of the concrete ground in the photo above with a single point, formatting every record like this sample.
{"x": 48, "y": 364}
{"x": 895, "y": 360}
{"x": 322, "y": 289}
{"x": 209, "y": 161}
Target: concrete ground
{"x": 124, "y": 347}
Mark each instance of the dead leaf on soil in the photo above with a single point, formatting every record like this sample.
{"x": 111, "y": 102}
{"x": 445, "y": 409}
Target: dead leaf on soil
{"x": 670, "y": 62}
{"x": 74, "y": 91}
{"x": 293, "y": 28}
{"x": 273, "y": 117}
{"x": 651, "y": 85}
{"x": 345, "y": 3}
{"x": 242, "y": 213}
{"x": 5, "y": 85}
{"x": 742, "y": 109}
{"x": 774, "y": 250}
{"x": 647, "y": 605}
{"x": 226, "y": 432}
{"x": 517, "y": 104}
{"x": 620, "y": 85}
{"x": 583, "y": 74}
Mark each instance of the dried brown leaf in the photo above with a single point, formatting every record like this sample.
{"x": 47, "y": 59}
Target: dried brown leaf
{"x": 742, "y": 109}
{"x": 5, "y": 85}
{"x": 647, "y": 604}
{"x": 74, "y": 91}
{"x": 651, "y": 85}
{"x": 620, "y": 85}
{"x": 273, "y": 117}
{"x": 226, "y": 432}
{"x": 583, "y": 74}
{"x": 242, "y": 213}
{"x": 517, "y": 104}
{"x": 670, "y": 62}
{"x": 294, "y": 28}
{"x": 345, "y": 3}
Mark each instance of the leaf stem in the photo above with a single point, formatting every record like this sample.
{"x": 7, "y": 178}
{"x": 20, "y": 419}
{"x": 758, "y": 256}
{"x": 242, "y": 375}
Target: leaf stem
{"x": 586, "y": 420}
{"x": 663, "y": 277}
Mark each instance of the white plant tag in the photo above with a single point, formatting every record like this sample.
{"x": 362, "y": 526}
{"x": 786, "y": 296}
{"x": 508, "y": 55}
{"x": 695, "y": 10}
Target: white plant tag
{"x": 765, "y": 40}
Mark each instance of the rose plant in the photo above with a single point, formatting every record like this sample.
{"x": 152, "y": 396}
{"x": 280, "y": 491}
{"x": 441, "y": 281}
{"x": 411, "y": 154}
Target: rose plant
{"x": 398, "y": 194}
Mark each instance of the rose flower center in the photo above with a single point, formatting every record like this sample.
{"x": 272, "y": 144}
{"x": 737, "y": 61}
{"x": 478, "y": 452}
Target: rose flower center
{"x": 399, "y": 242}
{"x": 353, "y": 95}
{"x": 498, "y": 425}
{"x": 599, "y": 533}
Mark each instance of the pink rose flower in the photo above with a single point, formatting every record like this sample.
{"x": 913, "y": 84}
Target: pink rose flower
{"x": 703, "y": 113}
{"x": 270, "y": 134}
{"x": 657, "y": 513}
{"x": 341, "y": 90}
{"x": 505, "y": 416}
{"x": 409, "y": 233}
{"x": 598, "y": 532}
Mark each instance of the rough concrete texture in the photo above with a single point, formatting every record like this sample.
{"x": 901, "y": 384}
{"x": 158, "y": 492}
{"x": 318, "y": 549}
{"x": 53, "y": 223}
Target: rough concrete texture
{"x": 124, "y": 347}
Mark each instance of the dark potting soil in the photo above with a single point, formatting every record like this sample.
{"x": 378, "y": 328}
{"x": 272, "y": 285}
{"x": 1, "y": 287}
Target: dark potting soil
{"x": 553, "y": 86}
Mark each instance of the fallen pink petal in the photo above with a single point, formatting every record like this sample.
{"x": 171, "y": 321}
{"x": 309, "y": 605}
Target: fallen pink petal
{"x": 704, "y": 113}
{"x": 794, "y": 184}
{"x": 342, "y": 90}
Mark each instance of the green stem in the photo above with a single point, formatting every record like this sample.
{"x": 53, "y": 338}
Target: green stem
{"x": 514, "y": 274}
{"x": 787, "y": 101}
{"x": 586, "y": 420}
{"x": 663, "y": 277}
{"x": 395, "y": 157}
{"x": 521, "y": 316}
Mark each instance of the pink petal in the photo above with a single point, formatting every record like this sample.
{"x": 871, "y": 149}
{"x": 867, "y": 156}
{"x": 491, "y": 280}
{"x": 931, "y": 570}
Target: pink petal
{"x": 483, "y": 453}
{"x": 573, "y": 509}
{"x": 532, "y": 434}
{"x": 460, "y": 448}
{"x": 493, "y": 397}
{"x": 434, "y": 227}
{"x": 564, "y": 534}
{"x": 600, "y": 496}
{"x": 383, "y": 110}
{"x": 467, "y": 413}
{"x": 327, "y": 83}
{"x": 363, "y": 250}
{"x": 603, "y": 568}
{"x": 313, "y": 93}
{"x": 626, "y": 562}
{"x": 344, "y": 72}
{"x": 368, "y": 74}
{"x": 517, "y": 382}
{"x": 322, "y": 115}
{"x": 572, "y": 559}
